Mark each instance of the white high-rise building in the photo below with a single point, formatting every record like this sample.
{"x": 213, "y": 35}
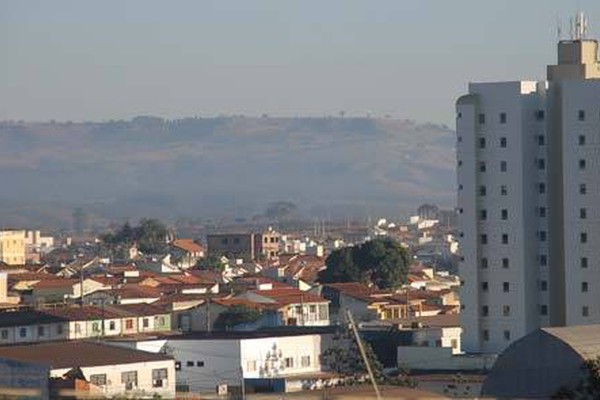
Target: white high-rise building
{"x": 528, "y": 158}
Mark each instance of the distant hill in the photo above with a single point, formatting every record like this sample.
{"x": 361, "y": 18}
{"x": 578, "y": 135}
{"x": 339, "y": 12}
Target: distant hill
{"x": 202, "y": 167}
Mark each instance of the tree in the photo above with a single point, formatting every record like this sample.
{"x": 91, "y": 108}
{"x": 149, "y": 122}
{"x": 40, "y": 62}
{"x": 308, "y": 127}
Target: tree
{"x": 211, "y": 263}
{"x": 382, "y": 262}
{"x": 150, "y": 236}
{"x": 236, "y": 315}
{"x": 588, "y": 387}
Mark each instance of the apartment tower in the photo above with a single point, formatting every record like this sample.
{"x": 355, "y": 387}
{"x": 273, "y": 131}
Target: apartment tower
{"x": 528, "y": 162}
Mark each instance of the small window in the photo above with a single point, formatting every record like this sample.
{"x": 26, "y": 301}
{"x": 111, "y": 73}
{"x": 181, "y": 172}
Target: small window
{"x": 585, "y": 311}
{"x": 23, "y": 332}
{"x": 460, "y": 163}
{"x": 583, "y": 262}
{"x": 481, "y": 166}
{"x": 199, "y": 363}
{"x": 128, "y": 324}
{"x": 481, "y": 119}
{"x": 583, "y": 237}
{"x": 482, "y": 143}
{"x": 483, "y": 239}
{"x": 543, "y": 309}
{"x": 485, "y": 311}
{"x": 4, "y": 334}
{"x": 482, "y": 215}
{"x": 506, "y": 335}
{"x": 506, "y": 311}
{"x": 482, "y": 190}
{"x": 189, "y": 364}
{"x": 236, "y": 240}
{"x": 581, "y": 140}
{"x": 251, "y": 366}
{"x": 503, "y": 166}
{"x": 582, "y": 213}
{"x": 98, "y": 379}
{"x": 224, "y": 241}
{"x": 41, "y": 330}
{"x": 543, "y": 236}
{"x": 305, "y": 361}
{"x": 460, "y": 186}
{"x": 581, "y": 115}
{"x": 542, "y": 212}
{"x": 59, "y": 329}
{"x": 503, "y": 118}
{"x": 543, "y": 260}
{"x": 505, "y": 287}
{"x": 177, "y": 365}
{"x": 543, "y": 286}
{"x": 503, "y": 142}
{"x": 504, "y": 214}
{"x": 504, "y": 238}
{"x": 459, "y": 139}
{"x": 582, "y": 164}
{"x": 159, "y": 377}
{"x": 289, "y": 362}
{"x": 486, "y": 335}
{"x": 584, "y": 287}
{"x": 130, "y": 379}
{"x": 484, "y": 263}
{"x": 541, "y": 188}
{"x": 145, "y": 322}
{"x": 541, "y": 164}
{"x": 111, "y": 325}
{"x": 541, "y": 139}
{"x": 458, "y": 115}
{"x": 582, "y": 188}
{"x": 539, "y": 115}
{"x": 484, "y": 286}
{"x": 505, "y": 263}
{"x": 503, "y": 190}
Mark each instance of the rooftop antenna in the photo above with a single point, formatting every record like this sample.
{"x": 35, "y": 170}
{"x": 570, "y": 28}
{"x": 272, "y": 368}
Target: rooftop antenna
{"x": 580, "y": 26}
{"x": 558, "y": 29}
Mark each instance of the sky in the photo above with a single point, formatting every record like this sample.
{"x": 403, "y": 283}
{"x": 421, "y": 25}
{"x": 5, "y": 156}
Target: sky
{"x": 117, "y": 59}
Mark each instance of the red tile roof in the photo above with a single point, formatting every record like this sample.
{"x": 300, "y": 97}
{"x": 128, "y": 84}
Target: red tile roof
{"x": 288, "y": 295}
{"x": 187, "y": 245}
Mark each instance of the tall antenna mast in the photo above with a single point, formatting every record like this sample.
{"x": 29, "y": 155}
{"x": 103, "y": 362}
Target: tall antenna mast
{"x": 580, "y": 26}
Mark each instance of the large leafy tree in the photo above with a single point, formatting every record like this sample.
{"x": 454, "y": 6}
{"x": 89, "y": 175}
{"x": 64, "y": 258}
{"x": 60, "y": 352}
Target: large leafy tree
{"x": 150, "y": 236}
{"x": 382, "y": 262}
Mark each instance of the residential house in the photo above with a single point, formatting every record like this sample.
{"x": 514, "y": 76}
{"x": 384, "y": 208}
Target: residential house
{"x": 109, "y": 371}
{"x": 186, "y": 252}
{"x": 247, "y": 246}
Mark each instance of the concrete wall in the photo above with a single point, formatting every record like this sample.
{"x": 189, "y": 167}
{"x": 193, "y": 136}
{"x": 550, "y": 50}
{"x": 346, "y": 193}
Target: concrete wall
{"x": 441, "y": 359}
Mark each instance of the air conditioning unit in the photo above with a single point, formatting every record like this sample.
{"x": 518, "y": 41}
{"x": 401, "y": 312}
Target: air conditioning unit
{"x": 222, "y": 389}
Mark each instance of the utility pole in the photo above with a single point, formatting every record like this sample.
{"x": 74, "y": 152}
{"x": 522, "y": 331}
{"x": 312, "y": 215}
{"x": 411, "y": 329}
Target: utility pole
{"x": 208, "y": 327}
{"x": 242, "y": 382}
{"x": 363, "y": 353}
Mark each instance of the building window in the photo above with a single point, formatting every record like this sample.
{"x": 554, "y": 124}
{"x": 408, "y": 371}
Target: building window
{"x": 41, "y": 331}
{"x": 541, "y": 188}
{"x": 481, "y": 119}
{"x": 505, "y": 287}
{"x": 581, "y": 115}
{"x": 542, "y": 235}
{"x": 159, "y": 377}
{"x": 583, "y": 262}
{"x": 585, "y": 311}
{"x": 504, "y": 214}
{"x": 177, "y": 365}
{"x": 482, "y": 190}
{"x": 541, "y": 139}
{"x": 251, "y": 366}
{"x": 189, "y": 364}
{"x": 481, "y": 166}
{"x": 581, "y": 140}
{"x": 111, "y": 325}
{"x": 503, "y": 190}
{"x": 503, "y": 118}
{"x": 145, "y": 322}
{"x": 305, "y": 361}
{"x": 128, "y": 324}
{"x": 582, "y": 164}
{"x": 129, "y": 379}
{"x": 543, "y": 309}
{"x": 506, "y": 311}
{"x": 224, "y": 241}
{"x": 583, "y": 237}
{"x": 506, "y": 335}
{"x": 482, "y": 143}
{"x": 98, "y": 379}
{"x": 539, "y": 115}
{"x": 95, "y": 327}
{"x": 505, "y": 263}
{"x": 23, "y": 332}
{"x": 486, "y": 335}
{"x": 59, "y": 329}
{"x": 459, "y": 139}
{"x": 460, "y": 186}
{"x": 4, "y": 334}
{"x": 541, "y": 164}
{"x": 543, "y": 260}
{"x": 460, "y": 163}
{"x": 483, "y": 215}
{"x": 485, "y": 311}
{"x": 77, "y": 327}
{"x": 584, "y": 287}
{"x": 542, "y": 212}
{"x": 503, "y": 142}
{"x": 236, "y": 240}
{"x": 484, "y": 263}
{"x": 582, "y": 213}
{"x": 504, "y": 238}
{"x": 484, "y": 286}
{"x": 503, "y": 166}
{"x": 483, "y": 239}
{"x": 199, "y": 363}
{"x": 289, "y": 362}
{"x": 543, "y": 286}
{"x": 582, "y": 188}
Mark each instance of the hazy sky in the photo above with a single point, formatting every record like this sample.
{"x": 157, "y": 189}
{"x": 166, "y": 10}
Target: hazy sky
{"x": 111, "y": 59}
